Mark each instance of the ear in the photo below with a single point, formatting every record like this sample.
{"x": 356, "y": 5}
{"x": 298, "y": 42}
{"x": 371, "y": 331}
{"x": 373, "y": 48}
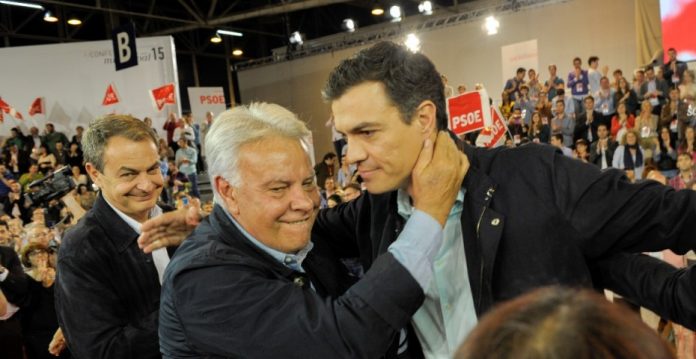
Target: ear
{"x": 93, "y": 173}
{"x": 426, "y": 116}
{"x": 228, "y": 194}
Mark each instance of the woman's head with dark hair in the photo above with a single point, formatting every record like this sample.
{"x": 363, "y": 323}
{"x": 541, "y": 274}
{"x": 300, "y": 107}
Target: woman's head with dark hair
{"x": 408, "y": 78}
{"x": 557, "y": 323}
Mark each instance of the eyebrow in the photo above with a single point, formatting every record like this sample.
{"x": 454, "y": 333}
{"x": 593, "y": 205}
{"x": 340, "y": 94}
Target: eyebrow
{"x": 128, "y": 169}
{"x": 361, "y": 127}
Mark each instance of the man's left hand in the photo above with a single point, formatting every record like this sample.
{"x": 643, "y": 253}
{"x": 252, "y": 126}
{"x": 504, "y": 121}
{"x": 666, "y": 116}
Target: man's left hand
{"x": 169, "y": 229}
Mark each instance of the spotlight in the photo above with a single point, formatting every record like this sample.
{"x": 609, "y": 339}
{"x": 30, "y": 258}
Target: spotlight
{"x": 237, "y": 52}
{"x": 49, "y": 17}
{"x": 74, "y": 21}
{"x": 216, "y": 39}
{"x": 348, "y": 25}
{"x": 377, "y": 11}
{"x": 395, "y": 13}
{"x": 296, "y": 38}
{"x": 22, "y": 4}
{"x": 425, "y": 8}
{"x": 412, "y": 42}
{"x": 230, "y": 33}
{"x": 491, "y": 25}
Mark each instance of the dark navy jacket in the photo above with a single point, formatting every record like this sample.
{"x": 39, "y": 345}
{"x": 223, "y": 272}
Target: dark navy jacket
{"x": 224, "y": 297}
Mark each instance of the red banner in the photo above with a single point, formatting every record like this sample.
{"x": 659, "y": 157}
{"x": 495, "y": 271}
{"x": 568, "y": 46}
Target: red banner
{"x": 37, "y": 107}
{"x": 163, "y": 95}
{"x": 4, "y": 106}
{"x": 111, "y": 96}
{"x": 468, "y": 112}
{"x": 492, "y": 136}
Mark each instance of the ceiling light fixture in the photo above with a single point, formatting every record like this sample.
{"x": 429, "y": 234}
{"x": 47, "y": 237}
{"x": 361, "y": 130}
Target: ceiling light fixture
{"x": 237, "y": 52}
{"x": 49, "y": 17}
{"x": 296, "y": 38}
{"x": 348, "y": 25}
{"x": 22, "y": 4}
{"x": 216, "y": 39}
{"x": 74, "y": 21}
{"x": 412, "y": 42}
{"x": 377, "y": 10}
{"x": 491, "y": 25}
{"x": 395, "y": 13}
{"x": 425, "y": 7}
{"x": 230, "y": 33}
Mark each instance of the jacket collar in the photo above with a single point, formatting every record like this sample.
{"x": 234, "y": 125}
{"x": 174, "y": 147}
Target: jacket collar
{"x": 118, "y": 231}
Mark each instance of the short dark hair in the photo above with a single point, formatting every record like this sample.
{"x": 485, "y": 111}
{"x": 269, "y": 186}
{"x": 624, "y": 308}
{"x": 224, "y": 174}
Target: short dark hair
{"x": 577, "y": 59}
{"x": 589, "y": 97}
{"x": 408, "y": 78}
{"x": 649, "y": 68}
{"x": 329, "y": 155}
{"x": 560, "y": 322}
{"x": 558, "y": 136}
{"x": 102, "y": 129}
{"x": 671, "y": 49}
{"x": 520, "y": 70}
{"x": 592, "y": 59}
{"x": 617, "y": 71}
{"x": 560, "y": 100}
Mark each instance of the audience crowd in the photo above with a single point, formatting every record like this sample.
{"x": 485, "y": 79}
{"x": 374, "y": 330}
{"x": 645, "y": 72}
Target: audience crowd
{"x": 643, "y": 125}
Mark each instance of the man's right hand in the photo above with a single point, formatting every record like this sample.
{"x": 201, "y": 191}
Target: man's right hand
{"x": 437, "y": 177}
{"x": 169, "y": 229}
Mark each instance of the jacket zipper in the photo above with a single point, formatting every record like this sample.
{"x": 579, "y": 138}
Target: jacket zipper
{"x": 489, "y": 195}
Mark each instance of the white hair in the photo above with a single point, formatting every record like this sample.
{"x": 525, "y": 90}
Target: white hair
{"x": 246, "y": 124}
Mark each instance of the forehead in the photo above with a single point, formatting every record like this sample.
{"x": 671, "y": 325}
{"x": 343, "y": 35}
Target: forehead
{"x": 365, "y": 103}
{"x": 122, "y": 152}
{"x": 273, "y": 158}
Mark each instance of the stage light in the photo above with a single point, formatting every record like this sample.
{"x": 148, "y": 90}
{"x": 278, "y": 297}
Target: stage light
{"x": 74, "y": 21}
{"x": 296, "y": 38}
{"x": 412, "y": 42}
{"x": 49, "y": 17}
{"x": 216, "y": 39}
{"x": 395, "y": 13}
{"x": 237, "y": 52}
{"x": 425, "y": 8}
{"x": 230, "y": 33}
{"x": 22, "y": 4}
{"x": 491, "y": 25}
{"x": 348, "y": 25}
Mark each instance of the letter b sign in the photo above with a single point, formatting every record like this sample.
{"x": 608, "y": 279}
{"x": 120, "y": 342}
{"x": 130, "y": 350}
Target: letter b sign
{"x": 125, "y": 53}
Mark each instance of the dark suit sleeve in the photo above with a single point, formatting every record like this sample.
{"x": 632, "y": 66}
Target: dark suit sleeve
{"x": 608, "y": 214}
{"x": 93, "y": 319}
{"x": 15, "y": 286}
{"x": 254, "y": 316}
{"x": 656, "y": 285}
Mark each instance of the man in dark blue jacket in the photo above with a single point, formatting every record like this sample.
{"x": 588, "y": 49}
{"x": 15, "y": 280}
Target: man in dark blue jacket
{"x": 249, "y": 283}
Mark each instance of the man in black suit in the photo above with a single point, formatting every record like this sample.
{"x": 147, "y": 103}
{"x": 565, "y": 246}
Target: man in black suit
{"x": 107, "y": 290}
{"x": 587, "y": 122}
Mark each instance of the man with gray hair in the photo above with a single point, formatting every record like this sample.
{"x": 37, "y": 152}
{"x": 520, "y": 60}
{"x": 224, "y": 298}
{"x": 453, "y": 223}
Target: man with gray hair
{"x": 249, "y": 283}
{"x": 107, "y": 290}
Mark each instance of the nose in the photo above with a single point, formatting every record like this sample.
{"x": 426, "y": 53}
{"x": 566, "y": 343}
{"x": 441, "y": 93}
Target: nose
{"x": 304, "y": 200}
{"x": 356, "y": 153}
{"x": 145, "y": 182}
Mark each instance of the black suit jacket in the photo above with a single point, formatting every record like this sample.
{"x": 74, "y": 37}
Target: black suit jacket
{"x": 224, "y": 297}
{"x": 107, "y": 290}
{"x": 533, "y": 217}
{"x": 581, "y": 126}
{"x": 15, "y": 286}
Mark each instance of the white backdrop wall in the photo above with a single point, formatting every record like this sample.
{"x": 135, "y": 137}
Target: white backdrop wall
{"x": 467, "y": 55}
{"x": 73, "y": 78}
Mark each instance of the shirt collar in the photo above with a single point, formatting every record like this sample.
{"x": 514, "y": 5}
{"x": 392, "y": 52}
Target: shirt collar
{"x": 405, "y": 209}
{"x": 154, "y": 212}
{"x": 292, "y": 261}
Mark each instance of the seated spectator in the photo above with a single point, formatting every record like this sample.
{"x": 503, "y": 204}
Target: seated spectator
{"x": 586, "y": 123}
{"x": 557, "y": 141}
{"x": 61, "y": 154}
{"x": 328, "y": 191}
{"x": 602, "y": 150}
{"x": 515, "y": 123}
{"x": 627, "y": 95}
{"x": 581, "y": 151}
{"x": 538, "y": 131}
{"x": 654, "y": 90}
{"x": 51, "y": 137}
{"x": 629, "y": 155}
{"x": 77, "y": 176}
{"x": 557, "y": 323}
{"x": 646, "y": 124}
{"x": 75, "y": 157}
{"x": 77, "y": 138}
{"x": 622, "y": 121}
{"x": 686, "y": 176}
{"x": 325, "y": 169}
{"x": 688, "y": 143}
{"x": 543, "y": 106}
{"x": 86, "y": 197}
{"x": 351, "y": 192}
{"x": 46, "y": 160}
{"x": 673, "y": 115}
{"x": 178, "y": 182}
{"x": 334, "y": 200}
{"x": 665, "y": 154}
{"x": 687, "y": 88}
